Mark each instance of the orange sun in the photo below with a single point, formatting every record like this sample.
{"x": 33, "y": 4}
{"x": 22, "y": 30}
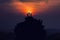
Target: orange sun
{"x": 28, "y": 10}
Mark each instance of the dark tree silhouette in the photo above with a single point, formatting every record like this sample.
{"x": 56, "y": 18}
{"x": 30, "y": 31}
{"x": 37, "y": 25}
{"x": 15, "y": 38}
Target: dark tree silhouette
{"x": 30, "y": 29}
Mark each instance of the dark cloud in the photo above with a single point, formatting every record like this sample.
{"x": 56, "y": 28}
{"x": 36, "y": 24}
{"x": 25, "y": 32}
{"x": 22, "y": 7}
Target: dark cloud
{"x": 3, "y": 1}
{"x": 32, "y": 0}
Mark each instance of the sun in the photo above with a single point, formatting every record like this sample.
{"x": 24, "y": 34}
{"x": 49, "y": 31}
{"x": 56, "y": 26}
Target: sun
{"x": 29, "y": 11}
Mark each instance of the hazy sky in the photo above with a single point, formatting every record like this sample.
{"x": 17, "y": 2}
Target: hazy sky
{"x": 13, "y": 11}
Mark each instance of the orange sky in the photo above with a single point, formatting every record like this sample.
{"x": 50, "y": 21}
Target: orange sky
{"x": 35, "y": 7}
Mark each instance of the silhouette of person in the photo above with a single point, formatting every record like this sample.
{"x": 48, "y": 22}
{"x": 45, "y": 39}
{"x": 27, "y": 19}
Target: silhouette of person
{"x": 30, "y": 29}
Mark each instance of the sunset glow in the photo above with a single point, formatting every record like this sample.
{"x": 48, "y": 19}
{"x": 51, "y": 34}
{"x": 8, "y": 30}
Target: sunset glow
{"x": 19, "y": 7}
{"x": 33, "y": 8}
{"x": 28, "y": 10}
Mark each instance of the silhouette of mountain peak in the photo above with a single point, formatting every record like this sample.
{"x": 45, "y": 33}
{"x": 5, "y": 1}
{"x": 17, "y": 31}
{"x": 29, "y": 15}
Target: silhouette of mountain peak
{"x": 30, "y": 29}
{"x": 30, "y": 19}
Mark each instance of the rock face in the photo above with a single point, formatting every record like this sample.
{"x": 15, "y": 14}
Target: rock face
{"x": 30, "y": 29}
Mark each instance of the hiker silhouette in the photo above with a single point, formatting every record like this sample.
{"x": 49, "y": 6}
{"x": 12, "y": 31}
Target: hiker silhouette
{"x": 30, "y": 29}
